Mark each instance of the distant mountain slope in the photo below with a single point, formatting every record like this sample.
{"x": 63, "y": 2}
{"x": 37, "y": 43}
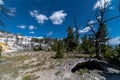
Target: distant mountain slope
{"x": 114, "y": 41}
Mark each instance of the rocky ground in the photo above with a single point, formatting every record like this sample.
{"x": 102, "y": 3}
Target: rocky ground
{"x": 41, "y": 65}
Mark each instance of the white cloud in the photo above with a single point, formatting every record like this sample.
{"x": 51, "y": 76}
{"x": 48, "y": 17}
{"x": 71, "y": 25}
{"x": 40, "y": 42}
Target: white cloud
{"x": 31, "y": 27}
{"x": 99, "y": 17}
{"x": 74, "y": 29}
{"x": 111, "y": 7}
{"x": 21, "y": 26}
{"x": 114, "y": 41}
{"x": 50, "y": 33}
{"x": 40, "y": 37}
{"x": 92, "y": 22}
{"x": 85, "y": 30}
{"x": 100, "y": 4}
{"x": 32, "y": 32}
{"x": 1, "y": 2}
{"x": 39, "y": 17}
{"x": 58, "y": 17}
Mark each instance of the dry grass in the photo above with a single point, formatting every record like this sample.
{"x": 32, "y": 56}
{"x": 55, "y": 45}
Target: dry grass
{"x": 22, "y": 63}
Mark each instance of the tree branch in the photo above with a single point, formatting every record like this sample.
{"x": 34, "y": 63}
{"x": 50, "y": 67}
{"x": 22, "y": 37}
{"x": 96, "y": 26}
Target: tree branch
{"x": 112, "y": 18}
{"x": 92, "y": 29}
{"x": 96, "y": 16}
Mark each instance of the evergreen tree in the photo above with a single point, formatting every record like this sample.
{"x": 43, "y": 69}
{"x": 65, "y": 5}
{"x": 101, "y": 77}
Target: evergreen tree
{"x": 118, "y": 51}
{"x": 87, "y": 43}
{"x": 60, "y": 50}
{"x": 84, "y": 43}
{"x": 54, "y": 46}
{"x": 70, "y": 39}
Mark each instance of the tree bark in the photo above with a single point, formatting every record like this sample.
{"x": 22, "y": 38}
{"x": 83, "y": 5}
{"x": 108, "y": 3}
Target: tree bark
{"x": 98, "y": 50}
{"x": 98, "y": 40}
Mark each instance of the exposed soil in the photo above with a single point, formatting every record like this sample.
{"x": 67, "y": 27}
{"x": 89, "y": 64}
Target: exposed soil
{"x": 42, "y": 66}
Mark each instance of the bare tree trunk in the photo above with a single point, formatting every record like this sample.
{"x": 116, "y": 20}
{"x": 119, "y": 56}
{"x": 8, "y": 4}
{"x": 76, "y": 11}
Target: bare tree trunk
{"x": 98, "y": 50}
{"x": 98, "y": 41}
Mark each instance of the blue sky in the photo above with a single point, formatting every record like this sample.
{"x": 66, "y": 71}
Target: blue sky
{"x": 42, "y": 18}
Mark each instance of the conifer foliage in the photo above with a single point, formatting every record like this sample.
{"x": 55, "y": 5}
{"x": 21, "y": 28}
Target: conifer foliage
{"x": 70, "y": 41}
{"x": 60, "y": 50}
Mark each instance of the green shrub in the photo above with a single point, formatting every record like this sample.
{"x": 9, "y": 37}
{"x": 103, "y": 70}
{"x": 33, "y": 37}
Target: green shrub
{"x": 82, "y": 71}
{"x": 107, "y": 52}
{"x": 28, "y": 77}
{"x": 54, "y": 46}
{"x": 60, "y": 50}
{"x": 113, "y": 54}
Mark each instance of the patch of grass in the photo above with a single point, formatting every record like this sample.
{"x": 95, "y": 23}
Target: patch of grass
{"x": 41, "y": 63}
{"x": 38, "y": 64}
{"x": 51, "y": 67}
{"x": 35, "y": 70}
{"x": 82, "y": 71}
{"x": 28, "y": 77}
{"x": 6, "y": 68}
{"x": 58, "y": 72}
{"x": 17, "y": 58}
{"x": 12, "y": 64}
{"x": 85, "y": 70}
{"x": 15, "y": 74}
{"x": 26, "y": 66}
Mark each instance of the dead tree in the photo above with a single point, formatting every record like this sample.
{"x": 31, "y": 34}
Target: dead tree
{"x": 101, "y": 21}
{"x": 76, "y": 34}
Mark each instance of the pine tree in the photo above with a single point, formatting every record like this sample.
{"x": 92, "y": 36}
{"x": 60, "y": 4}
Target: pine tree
{"x": 85, "y": 43}
{"x": 60, "y": 50}
{"x": 118, "y": 51}
{"x": 54, "y": 46}
{"x": 70, "y": 39}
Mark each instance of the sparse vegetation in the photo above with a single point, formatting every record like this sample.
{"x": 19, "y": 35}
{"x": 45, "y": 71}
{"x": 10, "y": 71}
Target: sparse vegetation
{"x": 35, "y": 61}
{"x": 54, "y": 46}
{"x": 70, "y": 40}
{"x": 28, "y": 77}
{"x": 82, "y": 71}
{"x": 88, "y": 50}
{"x": 58, "y": 72}
{"x": 113, "y": 54}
